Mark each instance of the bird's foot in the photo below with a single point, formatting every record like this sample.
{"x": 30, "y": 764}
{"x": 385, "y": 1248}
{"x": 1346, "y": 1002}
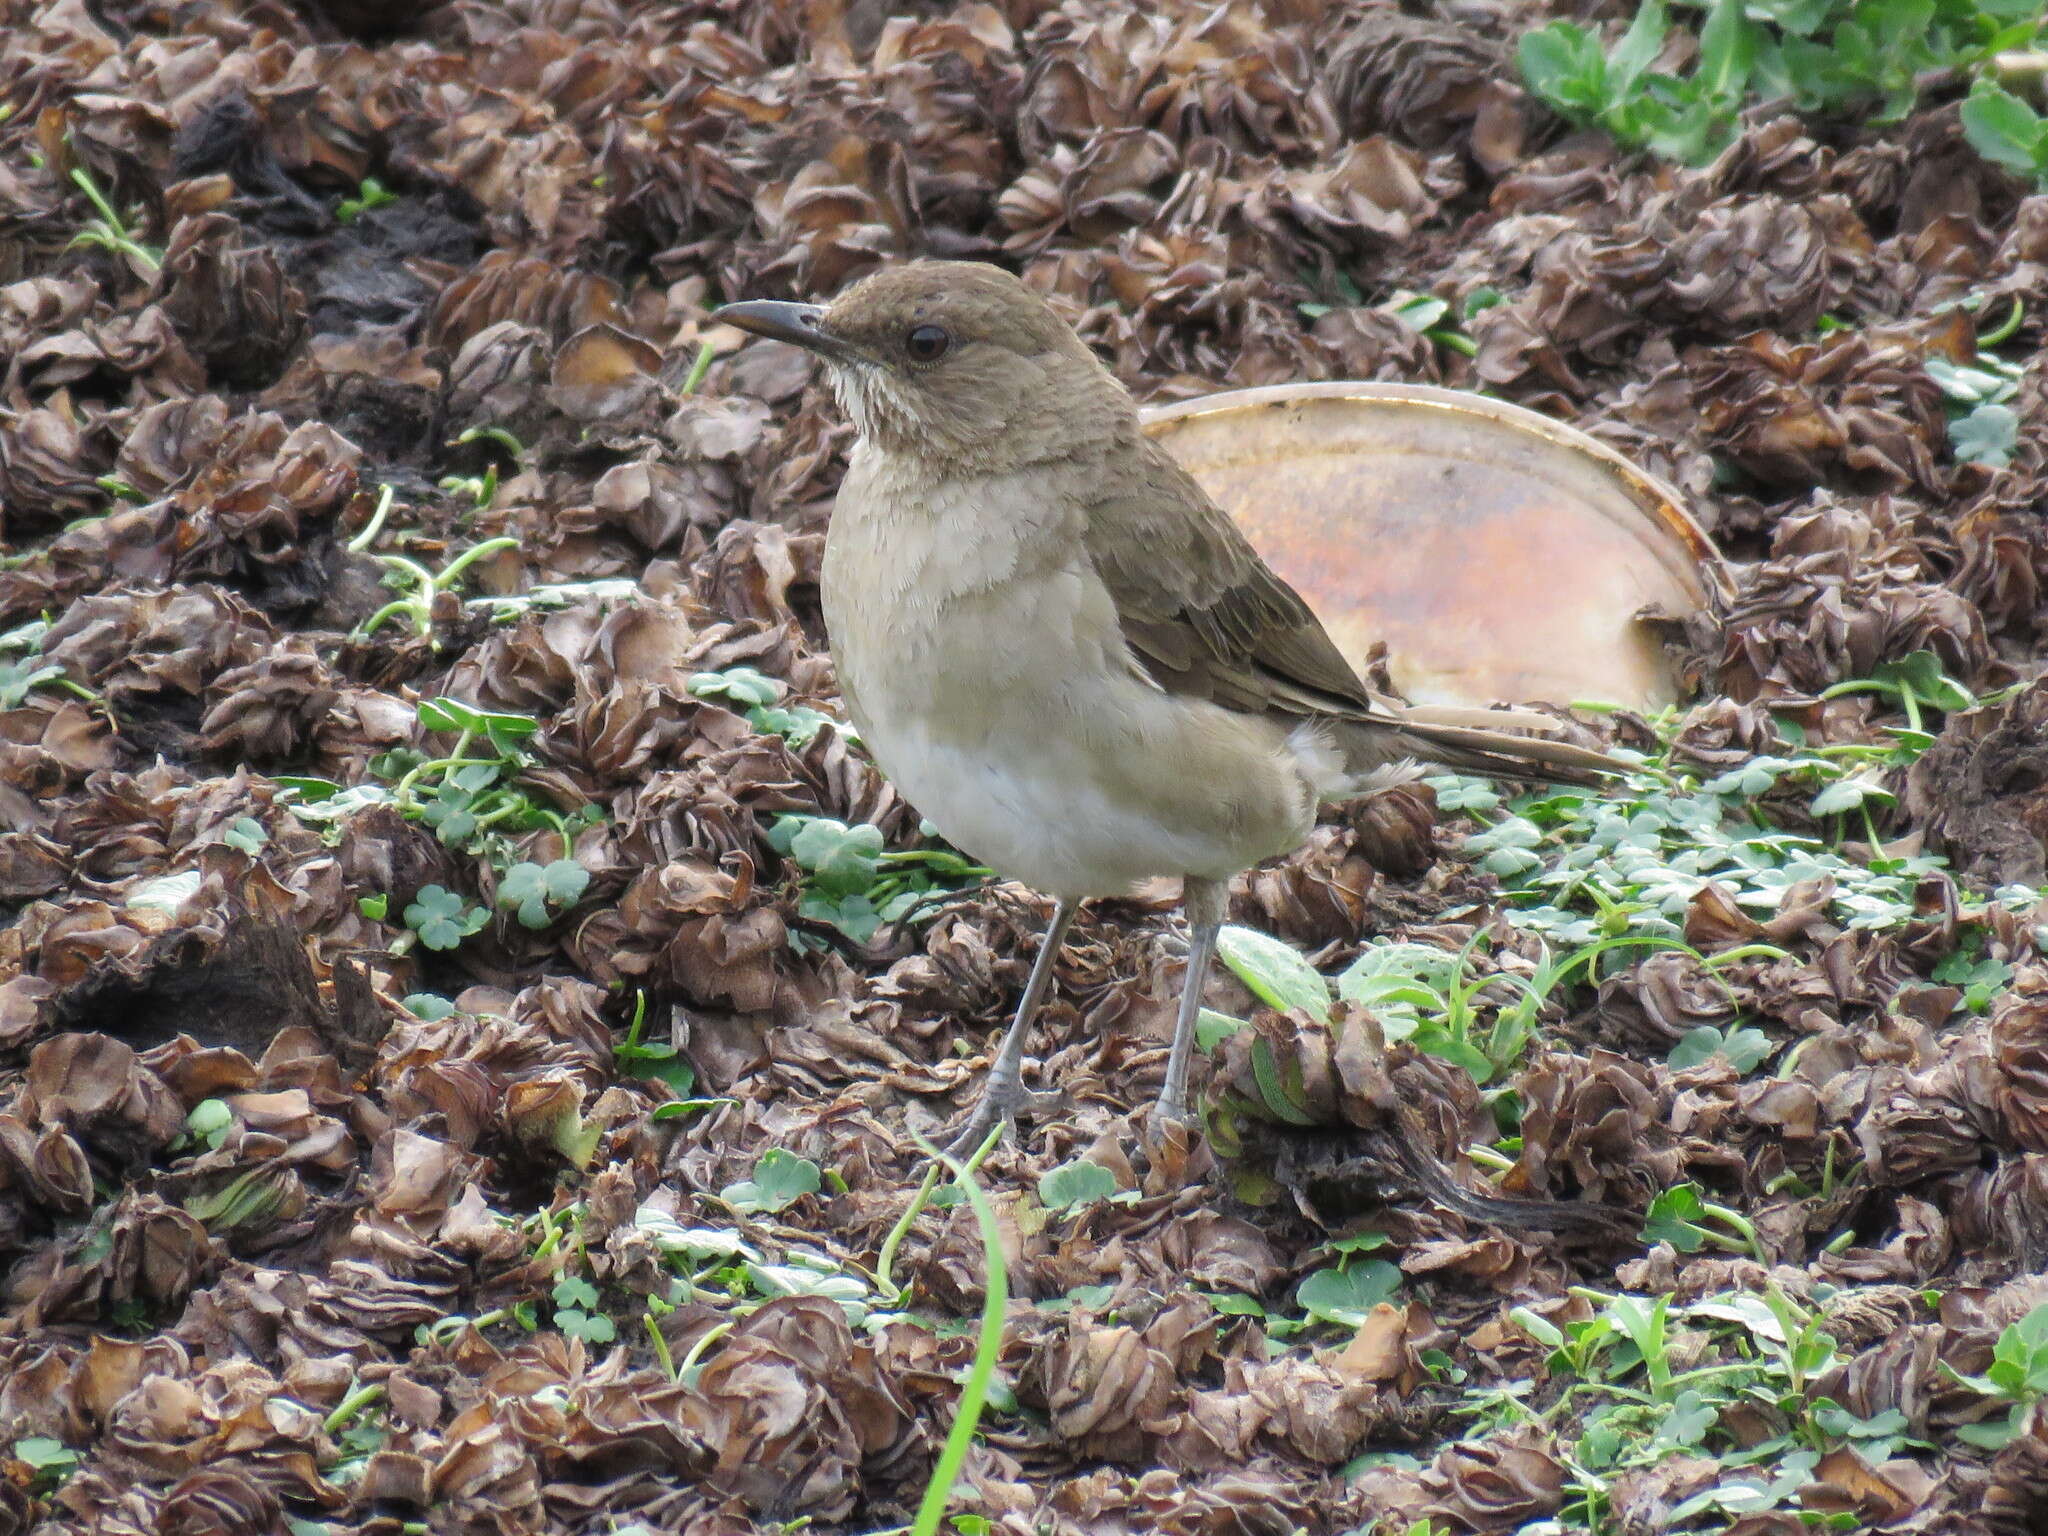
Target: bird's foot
{"x": 1173, "y": 1110}
{"x": 999, "y": 1105}
{"x": 1168, "y": 1152}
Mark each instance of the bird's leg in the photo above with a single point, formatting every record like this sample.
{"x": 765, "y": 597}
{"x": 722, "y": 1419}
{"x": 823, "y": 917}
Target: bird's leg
{"x": 1205, "y": 901}
{"x": 1004, "y": 1092}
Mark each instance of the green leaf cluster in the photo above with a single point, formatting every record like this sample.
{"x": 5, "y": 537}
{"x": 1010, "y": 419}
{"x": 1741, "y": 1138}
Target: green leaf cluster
{"x": 1579, "y": 867}
{"x": 757, "y": 696}
{"x": 1833, "y": 57}
{"x": 1983, "y": 428}
{"x": 576, "y": 1312}
{"x": 853, "y": 882}
{"x": 1726, "y": 1381}
{"x": 2018, "y": 1374}
{"x": 472, "y": 798}
{"x": 22, "y": 669}
{"x": 2006, "y": 131}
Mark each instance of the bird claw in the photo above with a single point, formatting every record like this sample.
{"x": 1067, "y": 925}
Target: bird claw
{"x": 1001, "y": 1107}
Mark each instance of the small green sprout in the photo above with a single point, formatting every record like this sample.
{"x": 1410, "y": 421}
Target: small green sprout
{"x": 442, "y": 918}
{"x": 542, "y": 892}
{"x": 372, "y": 194}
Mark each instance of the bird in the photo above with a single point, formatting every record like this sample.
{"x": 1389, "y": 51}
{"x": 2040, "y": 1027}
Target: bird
{"x": 1059, "y": 648}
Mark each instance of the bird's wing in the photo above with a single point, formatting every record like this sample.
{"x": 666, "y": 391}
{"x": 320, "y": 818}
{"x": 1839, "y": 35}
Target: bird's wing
{"x": 1205, "y": 616}
{"x": 1201, "y": 611}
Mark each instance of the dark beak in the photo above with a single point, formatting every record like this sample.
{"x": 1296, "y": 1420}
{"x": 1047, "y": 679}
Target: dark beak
{"x": 798, "y": 324}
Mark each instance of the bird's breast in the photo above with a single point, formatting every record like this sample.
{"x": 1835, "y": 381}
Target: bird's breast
{"x": 981, "y": 657}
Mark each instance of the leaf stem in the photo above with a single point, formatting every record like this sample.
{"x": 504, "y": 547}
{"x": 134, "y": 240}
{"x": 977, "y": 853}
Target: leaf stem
{"x": 702, "y": 366}
{"x": 375, "y": 525}
{"x": 938, "y": 1493}
{"x": 346, "y": 1411}
{"x": 660, "y": 1344}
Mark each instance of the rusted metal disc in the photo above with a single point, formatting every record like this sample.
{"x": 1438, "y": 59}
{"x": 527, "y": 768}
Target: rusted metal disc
{"x": 1499, "y": 554}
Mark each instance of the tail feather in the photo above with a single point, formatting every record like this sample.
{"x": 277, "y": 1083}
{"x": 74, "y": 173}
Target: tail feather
{"x": 1369, "y": 748}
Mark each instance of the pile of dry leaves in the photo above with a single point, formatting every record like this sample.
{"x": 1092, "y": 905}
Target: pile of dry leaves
{"x": 287, "y": 1238}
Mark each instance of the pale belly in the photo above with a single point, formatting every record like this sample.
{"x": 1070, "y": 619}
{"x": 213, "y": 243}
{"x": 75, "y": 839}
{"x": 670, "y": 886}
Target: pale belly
{"x": 1033, "y": 812}
{"x": 1075, "y": 809}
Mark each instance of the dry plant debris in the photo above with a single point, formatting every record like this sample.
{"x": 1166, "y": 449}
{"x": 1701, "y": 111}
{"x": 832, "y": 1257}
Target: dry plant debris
{"x": 467, "y": 1004}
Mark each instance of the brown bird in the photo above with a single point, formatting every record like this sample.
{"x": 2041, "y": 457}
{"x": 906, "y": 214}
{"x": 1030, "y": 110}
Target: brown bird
{"x": 1061, "y": 651}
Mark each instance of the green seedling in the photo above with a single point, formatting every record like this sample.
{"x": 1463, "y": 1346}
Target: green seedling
{"x": 469, "y": 794}
{"x": 507, "y": 607}
{"x": 1788, "y": 1336}
{"x": 368, "y": 534}
{"x": 637, "y": 1058}
{"x": 1981, "y": 977}
{"x": 358, "y": 1428}
{"x": 1346, "y": 1293}
{"x": 1983, "y": 427}
{"x": 247, "y": 835}
{"x": 1683, "y": 1217}
{"x": 22, "y": 669}
{"x": 1347, "y": 292}
{"x": 481, "y": 489}
{"x": 121, "y": 490}
{"x": 2018, "y": 1375}
{"x": 442, "y": 918}
{"x": 939, "y": 1491}
{"x": 1425, "y": 313}
{"x": 706, "y": 355}
{"x": 1579, "y": 1348}
{"x": 1752, "y": 1493}
{"x": 1427, "y": 996}
{"x": 416, "y": 606}
{"x": 108, "y": 231}
{"x": 1744, "y": 1049}
{"x": 471, "y": 798}
{"x": 502, "y": 436}
{"x": 1689, "y": 118}
{"x": 540, "y": 893}
{"x": 576, "y": 1312}
{"x": 207, "y": 1125}
{"x": 372, "y": 194}
{"x": 1420, "y": 312}
{"x": 1916, "y": 682}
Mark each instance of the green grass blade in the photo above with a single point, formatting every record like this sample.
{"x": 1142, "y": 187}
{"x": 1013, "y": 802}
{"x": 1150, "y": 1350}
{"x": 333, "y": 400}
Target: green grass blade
{"x": 988, "y": 1343}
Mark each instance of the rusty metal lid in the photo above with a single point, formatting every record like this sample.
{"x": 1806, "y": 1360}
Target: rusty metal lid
{"x": 1499, "y": 554}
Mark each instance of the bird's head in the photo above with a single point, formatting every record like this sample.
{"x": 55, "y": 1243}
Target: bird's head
{"x": 955, "y": 362}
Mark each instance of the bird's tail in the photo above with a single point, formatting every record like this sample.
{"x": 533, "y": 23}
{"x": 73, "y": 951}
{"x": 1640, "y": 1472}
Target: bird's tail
{"x": 1376, "y": 752}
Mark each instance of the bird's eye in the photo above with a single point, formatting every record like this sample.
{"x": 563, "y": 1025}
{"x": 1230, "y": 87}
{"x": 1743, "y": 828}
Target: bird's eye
{"x": 927, "y": 343}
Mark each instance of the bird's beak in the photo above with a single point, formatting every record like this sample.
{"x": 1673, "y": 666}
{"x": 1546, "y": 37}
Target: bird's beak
{"x": 799, "y": 324}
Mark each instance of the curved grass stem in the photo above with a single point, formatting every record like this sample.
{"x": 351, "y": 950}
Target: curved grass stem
{"x": 938, "y": 1493}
